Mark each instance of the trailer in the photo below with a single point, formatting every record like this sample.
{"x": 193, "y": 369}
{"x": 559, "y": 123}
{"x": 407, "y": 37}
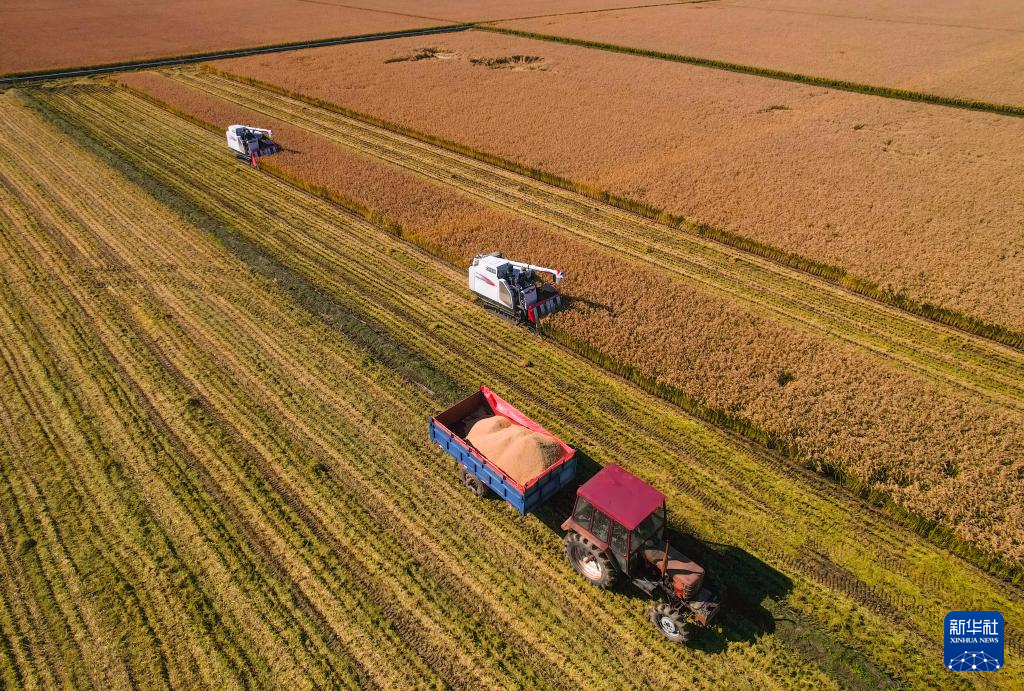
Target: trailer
{"x": 448, "y": 430}
{"x": 615, "y": 532}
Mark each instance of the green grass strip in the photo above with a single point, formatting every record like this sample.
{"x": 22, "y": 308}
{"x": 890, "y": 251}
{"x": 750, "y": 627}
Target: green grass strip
{"x": 826, "y": 82}
{"x": 828, "y": 272}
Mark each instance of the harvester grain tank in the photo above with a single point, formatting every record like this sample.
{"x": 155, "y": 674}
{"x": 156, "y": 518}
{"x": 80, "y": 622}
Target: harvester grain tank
{"x": 515, "y": 289}
{"x": 251, "y": 143}
{"x": 616, "y": 530}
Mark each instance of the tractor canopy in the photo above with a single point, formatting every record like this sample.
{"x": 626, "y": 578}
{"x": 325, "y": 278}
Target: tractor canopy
{"x": 625, "y": 498}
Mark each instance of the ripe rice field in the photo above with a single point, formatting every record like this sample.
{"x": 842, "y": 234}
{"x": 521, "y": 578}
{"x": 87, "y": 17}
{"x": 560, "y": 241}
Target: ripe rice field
{"x": 761, "y": 159}
{"x": 936, "y": 57}
{"x": 218, "y": 385}
{"x": 866, "y": 394}
{"x": 59, "y": 33}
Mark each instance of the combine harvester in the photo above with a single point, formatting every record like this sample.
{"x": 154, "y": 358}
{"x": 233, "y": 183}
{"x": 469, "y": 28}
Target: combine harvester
{"x": 616, "y": 530}
{"x": 514, "y": 289}
{"x": 251, "y": 143}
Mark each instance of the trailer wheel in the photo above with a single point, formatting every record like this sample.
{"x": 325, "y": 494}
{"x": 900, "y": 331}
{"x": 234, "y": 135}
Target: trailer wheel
{"x": 590, "y": 562}
{"x": 673, "y": 624}
{"x": 472, "y": 483}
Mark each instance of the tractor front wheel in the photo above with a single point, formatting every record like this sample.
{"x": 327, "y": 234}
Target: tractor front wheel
{"x": 673, "y": 624}
{"x": 472, "y": 482}
{"x": 590, "y": 562}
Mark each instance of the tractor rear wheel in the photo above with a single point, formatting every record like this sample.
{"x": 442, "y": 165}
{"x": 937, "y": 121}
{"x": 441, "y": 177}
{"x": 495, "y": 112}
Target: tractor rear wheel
{"x": 590, "y": 562}
{"x": 673, "y": 624}
{"x": 472, "y": 482}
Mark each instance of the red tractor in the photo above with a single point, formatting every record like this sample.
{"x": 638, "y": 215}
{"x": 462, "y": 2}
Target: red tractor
{"x": 617, "y": 527}
{"x": 616, "y": 531}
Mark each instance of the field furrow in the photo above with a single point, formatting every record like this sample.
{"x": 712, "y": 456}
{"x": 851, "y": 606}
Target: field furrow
{"x": 339, "y": 513}
{"x": 336, "y": 577}
{"x": 337, "y": 510}
{"x": 152, "y": 254}
{"x": 230, "y": 547}
{"x": 847, "y": 563}
{"x": 954, "y": 358}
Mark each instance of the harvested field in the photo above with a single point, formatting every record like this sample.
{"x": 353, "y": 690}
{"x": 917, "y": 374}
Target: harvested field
{"x": 923, "y": 424}
{"x": 304, "y": 388}
{"x": 918, "y": 198}
{"x": 943, "y": 59}
{"x": 65, "y": 33}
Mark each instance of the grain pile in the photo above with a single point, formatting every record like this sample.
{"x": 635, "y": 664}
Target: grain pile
{"x": 522, "y": 453}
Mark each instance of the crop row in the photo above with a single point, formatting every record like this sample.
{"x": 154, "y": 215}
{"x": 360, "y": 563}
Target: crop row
{"x": 231, "y": 549}
{"x": 311, "y": 423}
{"x": 970, "y": 363}
{"x": 812, "y": 80}
{"x": 618, "y": 423}
{"x": 337, "y": 580}
{"x": 589, "y": 164}
{"x": 412, "y": 430}
{"x": 976, "y": 367}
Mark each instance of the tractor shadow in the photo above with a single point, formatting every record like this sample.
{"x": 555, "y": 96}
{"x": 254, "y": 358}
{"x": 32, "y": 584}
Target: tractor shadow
{"x": 745, "y": 585}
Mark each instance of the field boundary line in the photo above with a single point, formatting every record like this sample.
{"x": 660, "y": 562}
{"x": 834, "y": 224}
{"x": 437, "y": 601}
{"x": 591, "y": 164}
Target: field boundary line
{"x": 834, "y": 275}
{"x": 935, "y": 533}
{"x": 771, "y": 73}
{"x": 644, "y": 6}
{"x": 17, "y": 78}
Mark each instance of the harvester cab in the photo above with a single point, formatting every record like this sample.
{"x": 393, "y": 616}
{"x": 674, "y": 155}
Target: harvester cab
{"x": 617, "y": 531}
{"x": 251, "y": 143}
{"x": 515, "y": 289}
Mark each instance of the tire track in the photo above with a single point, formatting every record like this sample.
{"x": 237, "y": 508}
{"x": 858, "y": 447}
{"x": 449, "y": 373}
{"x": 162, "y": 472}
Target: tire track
{"x": 287, "y": 229}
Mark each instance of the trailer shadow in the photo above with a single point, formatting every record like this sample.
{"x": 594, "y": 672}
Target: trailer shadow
{"x": 745, "y": 585}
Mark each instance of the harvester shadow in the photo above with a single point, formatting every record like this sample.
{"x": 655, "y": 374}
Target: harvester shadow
{"x": 743, "y": 583}
{"x": 596, "y": 306}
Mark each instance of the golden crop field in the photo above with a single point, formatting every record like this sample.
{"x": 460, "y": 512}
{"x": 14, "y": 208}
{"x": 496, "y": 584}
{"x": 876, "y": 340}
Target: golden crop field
{"x": 880, "y": 373}
{"x": 879, "y": 187}
{"x": 222, "y": 376}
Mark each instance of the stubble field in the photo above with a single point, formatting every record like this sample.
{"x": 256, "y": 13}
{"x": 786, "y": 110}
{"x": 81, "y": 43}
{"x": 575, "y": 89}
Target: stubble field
{"x": 282, "y": 379}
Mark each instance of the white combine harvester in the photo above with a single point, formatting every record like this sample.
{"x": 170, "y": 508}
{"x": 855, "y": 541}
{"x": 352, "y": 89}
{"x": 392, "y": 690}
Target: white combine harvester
{"x": 250, "y": 143}
{"x": 514, "y": 288}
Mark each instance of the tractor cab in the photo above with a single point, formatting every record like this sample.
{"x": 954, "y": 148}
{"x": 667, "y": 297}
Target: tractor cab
{"x": 616, "y": 530}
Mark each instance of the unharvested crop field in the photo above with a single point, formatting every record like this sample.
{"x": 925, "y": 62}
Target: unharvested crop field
{"x": 963, "y": 13}
{"x": 65, "y": 33}
{"x": 865, "y": 405}
{"x": 939, "y": 58}
{"x": 918, "y": 198}
{"x": 246, "y": 394}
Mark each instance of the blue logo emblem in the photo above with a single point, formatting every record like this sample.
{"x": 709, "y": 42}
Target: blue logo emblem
{"x": 974, "y": 641}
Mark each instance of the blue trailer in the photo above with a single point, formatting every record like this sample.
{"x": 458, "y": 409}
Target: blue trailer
{"x": 448, "y": 430}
